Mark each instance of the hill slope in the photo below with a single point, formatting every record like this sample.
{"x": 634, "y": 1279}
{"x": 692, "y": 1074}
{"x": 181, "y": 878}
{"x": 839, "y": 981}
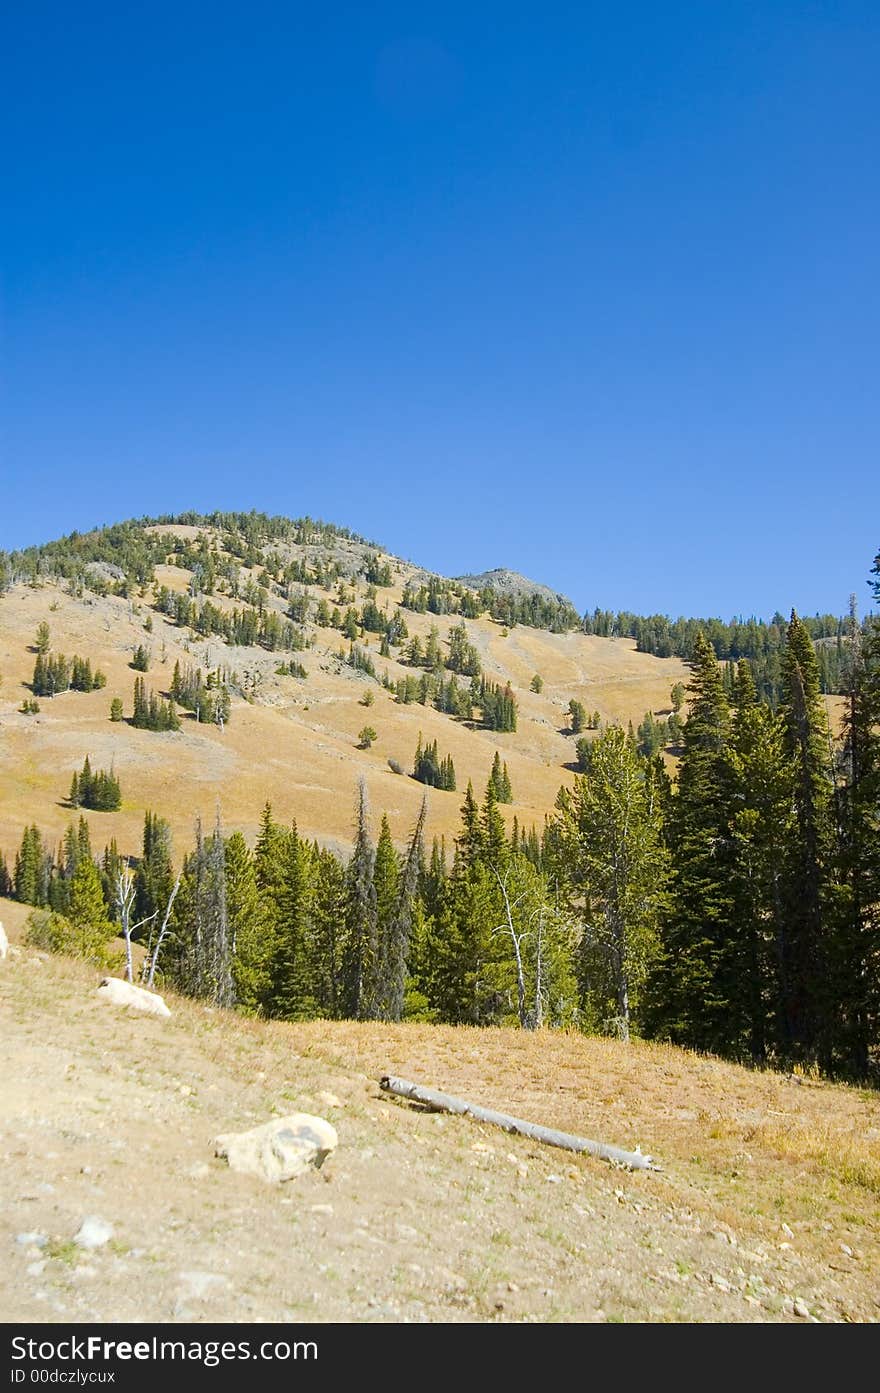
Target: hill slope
{"x": 291, "y": 741}
{"x": 765, "y": 1209}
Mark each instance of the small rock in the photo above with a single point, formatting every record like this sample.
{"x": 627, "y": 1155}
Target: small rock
{"x": 330, "y": 1100}
{"x": 31, "y": 1240}
{"x": 789, "y": 1232}
{"x": 119, "y": 993}
{"x": 512, "y": 1286}
{"x": 801, "y": 1309}
{"x": 93, "y": 1233}
{"x": 720, "y": 1282}
{"x": 201, "y": 1286}
{"x": 35, "y": 1268}
{"x": 845, "y": 1248}
{"x": 321, "y": 1208}
{"x": 280, "y": 1149}
{"x": 4, "y": 943}
{"x": 553, "y": 1179}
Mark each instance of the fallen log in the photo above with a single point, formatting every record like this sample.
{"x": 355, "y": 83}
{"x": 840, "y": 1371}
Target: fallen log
{"x": 444, "y": 1102}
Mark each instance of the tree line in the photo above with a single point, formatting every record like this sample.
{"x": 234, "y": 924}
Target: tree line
{"x": 736, "y": 910}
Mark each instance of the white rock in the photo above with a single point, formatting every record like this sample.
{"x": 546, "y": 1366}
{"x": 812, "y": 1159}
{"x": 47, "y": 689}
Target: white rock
{"x": 93, "y": 1233}
{"x": 280, "y": 1149}
{"x": 4, "y": 942}
{"x": 31, "y": 1240}
{"x": 200, "y": 1286}
{"x": 801, "y": 1309}
{"x": 120, "y": 993}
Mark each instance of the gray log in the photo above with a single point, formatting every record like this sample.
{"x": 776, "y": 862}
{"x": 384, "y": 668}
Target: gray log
{"x": 444, "y": 1102}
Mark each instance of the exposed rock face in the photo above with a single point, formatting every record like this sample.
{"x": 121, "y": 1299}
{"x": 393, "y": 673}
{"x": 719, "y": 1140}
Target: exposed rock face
{"x": 507, "y": 582}
{"x": 280, "y": 1149}
{"x": 120, "y": 993}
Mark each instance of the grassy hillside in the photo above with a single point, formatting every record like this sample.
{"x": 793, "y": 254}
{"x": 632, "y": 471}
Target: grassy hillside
{"x": 289, "y": 740}
{"x": 765, "y": 1209}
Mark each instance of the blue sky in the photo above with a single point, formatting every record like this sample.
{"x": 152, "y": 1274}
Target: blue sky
{"x": 587, "y": 290}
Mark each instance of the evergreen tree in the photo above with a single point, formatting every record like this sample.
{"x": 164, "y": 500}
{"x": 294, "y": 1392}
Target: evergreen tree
{"x": 86, "y": 908}
{"x": 251, "y": 963}
{"x": 359, "y": 964}
{"x": 853, "y": 959}
{"x": 329, "y": 904}
{"x": 761, "y": 825}
{"x": 32, "y": 864}
{"x": 617, "y": 866}
{"x": 154, "y": 876}
{"x": 203, "y": 966}
{"x": 687, "y": 1001}
{"x": 396, "y": 918}
{"x": 292, "y": 988}
{"x": 804, "y": 958}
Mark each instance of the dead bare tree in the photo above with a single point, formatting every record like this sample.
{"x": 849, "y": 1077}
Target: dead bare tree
{"x": 152, "y": 958}
{"x": 125, "y": 893}
{"x": 517, "y": 940}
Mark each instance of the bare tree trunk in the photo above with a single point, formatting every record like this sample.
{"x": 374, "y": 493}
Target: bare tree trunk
{"x": 162, "y": 932}
{"x": 444, "y": 1102}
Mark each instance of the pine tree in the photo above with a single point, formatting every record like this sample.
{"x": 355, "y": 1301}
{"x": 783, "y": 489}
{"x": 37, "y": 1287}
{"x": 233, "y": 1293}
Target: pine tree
{"x": 359, "y": 966}
{"x": 292, "y": 987}
{"x": 612, "y": 838}
{"x": 203, "y": 966}
{"x": 761, "y": 825}
{"x": 686, "y": 988}
{"x": 854, "y": 952}
{"x": 804, "y": 958}
{"x": 329, "y": 902}
{"x": 396, "y": 917}
{"x": 31, "y": 876}
{"x": 154, "y": 877}
{"x": 250, "y": 957}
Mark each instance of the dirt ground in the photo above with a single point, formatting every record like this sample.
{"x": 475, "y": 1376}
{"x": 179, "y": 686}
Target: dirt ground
{"x": 765, "y": 1208}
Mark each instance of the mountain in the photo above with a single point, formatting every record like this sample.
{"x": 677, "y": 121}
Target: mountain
{"x": 243, "y": 596}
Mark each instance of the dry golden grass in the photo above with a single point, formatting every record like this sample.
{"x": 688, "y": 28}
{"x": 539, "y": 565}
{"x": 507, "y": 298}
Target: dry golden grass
{"x": 296, "y": 744}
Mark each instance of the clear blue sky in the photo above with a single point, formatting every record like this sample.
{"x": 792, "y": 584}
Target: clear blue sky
{"x": 589, "y": 290}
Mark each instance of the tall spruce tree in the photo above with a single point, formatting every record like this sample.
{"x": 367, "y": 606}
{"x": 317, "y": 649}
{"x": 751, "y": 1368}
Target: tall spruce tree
{"x": 761, "y": 828}
{"x": 396, "y": 921}
{"x": 804, "y": 958}
{"x": 251, "y": 961}
{"x": 854, "y": 959}
{"x": 360, "y": 957}
{"x": 686, "y": 997}
{"x": 292, "y": 987}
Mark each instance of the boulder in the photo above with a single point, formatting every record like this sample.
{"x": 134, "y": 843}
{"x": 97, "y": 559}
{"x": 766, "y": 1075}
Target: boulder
{"x": 120, "y": 993}
{"x": 280, "y": 1149}
{"x": 4, "y": 942}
